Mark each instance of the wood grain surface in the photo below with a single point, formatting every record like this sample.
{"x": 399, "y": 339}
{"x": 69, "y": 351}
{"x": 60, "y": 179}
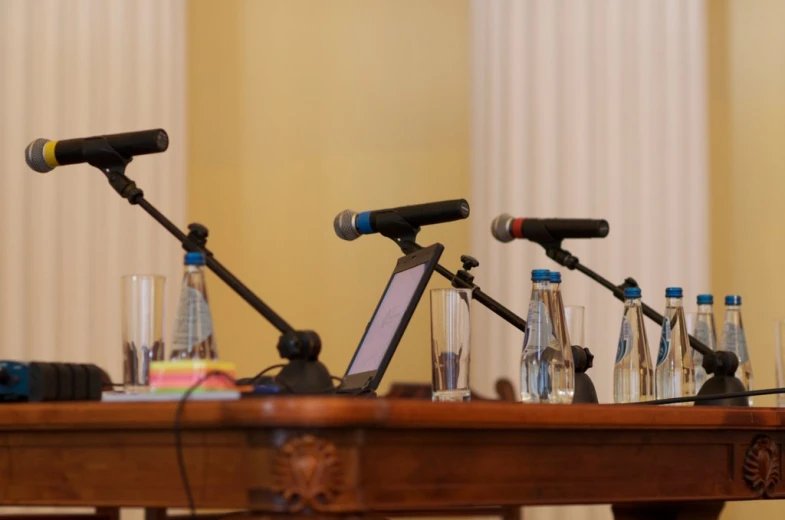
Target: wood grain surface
{"x": 335, "y": 455}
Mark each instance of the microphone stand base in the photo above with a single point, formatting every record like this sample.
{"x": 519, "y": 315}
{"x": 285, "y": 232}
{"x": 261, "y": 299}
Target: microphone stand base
{"x": 585, "y": 393}
{"x": 300, "y": 376}
{"x": 718, "y": 385}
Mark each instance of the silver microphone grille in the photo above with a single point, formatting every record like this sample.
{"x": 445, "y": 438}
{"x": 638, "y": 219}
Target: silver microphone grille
{"x": 34, "y": 155}
{"x": 500, "y": 228}
{"x": 344, "y": 225}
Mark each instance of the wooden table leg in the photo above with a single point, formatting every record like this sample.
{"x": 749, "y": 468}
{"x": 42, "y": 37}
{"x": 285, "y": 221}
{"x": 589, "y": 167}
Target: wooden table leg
{"x": 155, "y": 513}
{"x": 511, "y": 513}
{"x": 110, "y": 513}
{"x": 674, "y": 511}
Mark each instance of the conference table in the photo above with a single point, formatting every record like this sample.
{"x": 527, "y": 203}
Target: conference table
{"x": 379, "y": 457}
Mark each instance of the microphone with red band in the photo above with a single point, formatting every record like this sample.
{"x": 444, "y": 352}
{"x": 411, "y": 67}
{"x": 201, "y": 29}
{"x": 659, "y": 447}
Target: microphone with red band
{"x": 506, "y": 228}
{"x": 43, "y": 155}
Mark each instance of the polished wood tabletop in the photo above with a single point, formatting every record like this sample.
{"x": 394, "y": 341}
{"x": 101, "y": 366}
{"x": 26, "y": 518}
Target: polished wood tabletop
{"x": 341, "y": 455}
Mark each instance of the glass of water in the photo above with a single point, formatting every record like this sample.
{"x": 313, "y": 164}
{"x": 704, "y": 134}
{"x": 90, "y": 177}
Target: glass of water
{"x": 142, "y": 328}
{"x": 450, "y": 343}
{"x": 779, "y": 359}
{"x": 574, "y": 316}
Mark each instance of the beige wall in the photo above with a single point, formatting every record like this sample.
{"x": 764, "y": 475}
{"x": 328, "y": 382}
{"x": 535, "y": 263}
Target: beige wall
{"x": 299, "y": 110}
{"x": 747, "y": 87}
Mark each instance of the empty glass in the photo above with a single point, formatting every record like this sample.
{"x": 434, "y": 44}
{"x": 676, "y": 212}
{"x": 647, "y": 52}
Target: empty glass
{"x": 574, "y": 316}
{"x": 450, "y": 342}
{"x": 779, "y": 357}
{"x": 142, "y": 328}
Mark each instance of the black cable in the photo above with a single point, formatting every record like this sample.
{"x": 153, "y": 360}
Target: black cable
{"x": 695, "y": 398}
{"x": 263, "y": 372}
{"x": 178, "y": 439}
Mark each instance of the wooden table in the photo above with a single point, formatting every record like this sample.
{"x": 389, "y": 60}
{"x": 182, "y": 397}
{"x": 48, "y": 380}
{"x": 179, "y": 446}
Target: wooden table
{"x": 344, "y": 456}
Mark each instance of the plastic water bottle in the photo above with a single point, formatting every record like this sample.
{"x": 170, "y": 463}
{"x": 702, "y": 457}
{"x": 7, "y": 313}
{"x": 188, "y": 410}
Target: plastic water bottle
{"x": 563, "y": 334}
{"x": 633, "y": 375}
{"x": 194, "y": 337}
{"x": 734, "y": 340}
{"x": 706, "y": 333}
{"x": 675, "y": 374}
{"x": 542, "y": 360}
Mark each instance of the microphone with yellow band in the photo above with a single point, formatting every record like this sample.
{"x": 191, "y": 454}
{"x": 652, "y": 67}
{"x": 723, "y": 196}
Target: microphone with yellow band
{"x": 43, "y": 155}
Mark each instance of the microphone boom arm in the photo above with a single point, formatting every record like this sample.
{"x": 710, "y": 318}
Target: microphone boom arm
{"x": 304, "y": 373}
{"x": 394, "y": 227}
{"x": 722, "y": 364}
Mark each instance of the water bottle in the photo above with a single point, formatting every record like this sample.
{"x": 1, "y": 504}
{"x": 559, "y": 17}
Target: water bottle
{"x": 633, "y": 375}
{"x": 675, "y": 374}
{"x": 734, "y": 340}
{"x": 194, "y": 337}
{"x": 563, "y": 335}
{"x": 706, "y": 333}
{"x": 542, "y": 360}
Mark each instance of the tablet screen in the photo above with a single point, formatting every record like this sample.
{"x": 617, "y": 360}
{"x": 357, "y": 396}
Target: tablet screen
{"x": 387, "y": 319}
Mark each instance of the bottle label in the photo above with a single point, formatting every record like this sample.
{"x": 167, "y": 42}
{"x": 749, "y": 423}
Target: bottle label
{"x": 625, "y": 337}
{"x": 733, "y": 340}
{"x": 539, "y": 332}
{"x": 194, "y": 323}
{"x": 665, "y": 341}
{"x": 702, "y": 334}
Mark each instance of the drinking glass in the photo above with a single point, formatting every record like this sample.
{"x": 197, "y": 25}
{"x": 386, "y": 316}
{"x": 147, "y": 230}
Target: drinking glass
{"x": 450, "y": 343}
{"x": 142, "y": 328}
{"x": 574, "y": 316}
{"x": 779, "y": 359}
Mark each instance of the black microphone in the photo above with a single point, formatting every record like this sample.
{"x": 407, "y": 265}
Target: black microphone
{"x": 547, "y": 230}
{"x": 43, "y": 155}
{"x": 349, "y": 224}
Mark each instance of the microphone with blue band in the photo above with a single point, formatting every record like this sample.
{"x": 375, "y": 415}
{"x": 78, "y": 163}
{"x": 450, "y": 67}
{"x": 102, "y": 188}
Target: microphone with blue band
{"x": 350, "y": 225}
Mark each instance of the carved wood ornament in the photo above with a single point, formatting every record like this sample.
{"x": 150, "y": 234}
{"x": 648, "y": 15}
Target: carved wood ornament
{"x": 762, "y": 466}
{"x": 307, "y": 473}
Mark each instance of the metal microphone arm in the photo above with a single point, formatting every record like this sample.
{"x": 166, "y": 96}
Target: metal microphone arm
{"x": 303, "y": 374}
{"x": 394, "y": 227}
{"x": 721, "y": 363}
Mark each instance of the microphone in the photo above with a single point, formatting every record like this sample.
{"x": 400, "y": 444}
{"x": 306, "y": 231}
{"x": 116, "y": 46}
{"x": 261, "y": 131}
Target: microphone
{"x": 547, "y": 230}
{"x": 349, "y": 224}
{"x": 43, "y": 155}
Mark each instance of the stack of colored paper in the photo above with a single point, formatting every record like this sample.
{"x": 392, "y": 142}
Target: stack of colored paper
{"x": 179, "y": 376}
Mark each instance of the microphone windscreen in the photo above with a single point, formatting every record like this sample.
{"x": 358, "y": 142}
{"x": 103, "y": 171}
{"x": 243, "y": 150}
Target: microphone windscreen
{"x": 500, "y": 228}
{"x": 34, "y": 156}
{"x": 344, "y": 225}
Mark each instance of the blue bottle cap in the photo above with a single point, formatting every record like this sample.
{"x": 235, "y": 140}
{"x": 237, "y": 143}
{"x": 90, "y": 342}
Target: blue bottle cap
{"x": 705, "y": 299}
{"x": 541, "y": 275}
{"x": 674, "y": 292}
{"x": 194, "y": 259}
{"x": 733, "y": 299}
{"x": 555, "y": 277}
{"x": 632, "y": 292}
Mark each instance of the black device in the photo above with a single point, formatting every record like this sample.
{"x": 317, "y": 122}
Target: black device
{"x": 506, "y": 228}
{"x": 390, "y": 319}
{"x": 43, "y": 155}
{"x": 350, "y": 225}
{"x": 39, "y": 381}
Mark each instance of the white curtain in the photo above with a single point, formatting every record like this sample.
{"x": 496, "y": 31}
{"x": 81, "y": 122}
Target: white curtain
{"x": 588, "y": 109}
{"x": 76, "y": 68}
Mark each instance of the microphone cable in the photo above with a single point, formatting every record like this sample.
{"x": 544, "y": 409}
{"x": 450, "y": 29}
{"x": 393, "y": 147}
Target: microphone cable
{"x": 700, "y": 398}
